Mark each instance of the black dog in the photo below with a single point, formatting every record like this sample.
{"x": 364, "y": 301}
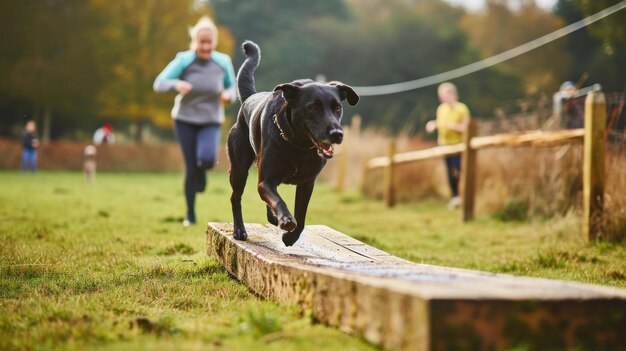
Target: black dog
{"x": 290, "y": 132}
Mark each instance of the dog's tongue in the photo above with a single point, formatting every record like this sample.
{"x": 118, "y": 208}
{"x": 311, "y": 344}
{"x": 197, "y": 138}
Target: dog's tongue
{"x": 327, "y": 149}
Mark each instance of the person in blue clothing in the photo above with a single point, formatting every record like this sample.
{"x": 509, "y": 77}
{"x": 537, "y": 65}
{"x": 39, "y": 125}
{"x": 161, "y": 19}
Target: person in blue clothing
{"x": 30, "y": 142}
{"x": 205, "y": 80}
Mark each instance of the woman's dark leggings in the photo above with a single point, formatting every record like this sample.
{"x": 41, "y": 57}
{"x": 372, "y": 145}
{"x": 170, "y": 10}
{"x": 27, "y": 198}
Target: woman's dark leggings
{"x": 453, "y": 165}
{"x": 200, "y": 145}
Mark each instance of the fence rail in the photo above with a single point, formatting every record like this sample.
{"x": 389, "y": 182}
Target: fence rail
{"x": 537, "y": 138}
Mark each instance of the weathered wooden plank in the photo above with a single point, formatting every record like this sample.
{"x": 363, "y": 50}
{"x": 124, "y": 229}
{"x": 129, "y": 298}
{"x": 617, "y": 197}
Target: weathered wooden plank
{"x": 401, "y": 305}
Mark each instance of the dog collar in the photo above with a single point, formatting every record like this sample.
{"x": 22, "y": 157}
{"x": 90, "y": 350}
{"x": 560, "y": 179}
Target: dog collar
{"x": 286, "y": 135}
{"x": 282, "y": 132}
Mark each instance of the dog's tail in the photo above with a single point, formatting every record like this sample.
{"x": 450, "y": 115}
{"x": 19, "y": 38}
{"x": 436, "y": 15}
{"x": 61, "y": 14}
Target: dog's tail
{"x": 245, "y": 76}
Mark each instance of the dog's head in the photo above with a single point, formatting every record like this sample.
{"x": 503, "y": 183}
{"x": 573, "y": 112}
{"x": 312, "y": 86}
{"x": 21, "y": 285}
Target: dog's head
{"x": 316, "y": 111}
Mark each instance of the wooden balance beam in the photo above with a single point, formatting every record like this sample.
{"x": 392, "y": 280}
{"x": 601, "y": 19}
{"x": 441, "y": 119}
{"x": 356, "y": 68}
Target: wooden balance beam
{"x": 401, "y": 305}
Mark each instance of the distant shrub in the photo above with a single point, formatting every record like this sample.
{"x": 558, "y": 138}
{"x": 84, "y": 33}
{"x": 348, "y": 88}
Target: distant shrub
{"x": 514, "y": 210}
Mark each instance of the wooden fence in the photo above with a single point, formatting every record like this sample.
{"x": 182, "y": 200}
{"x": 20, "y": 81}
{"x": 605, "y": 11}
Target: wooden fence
{"x": 593, "y": 135}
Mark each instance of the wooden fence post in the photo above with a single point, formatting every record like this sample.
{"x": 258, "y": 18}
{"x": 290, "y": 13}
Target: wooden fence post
{"x": 355, "y": 127}
{"x": 351, "y": 138}
{"x": 364, "y": 172}
{"x": 342, "y": 165}
{"x": 357, "y": 156}
{"x": 593, "y": 164}
{"x": 468, "y": 174}
{"x": 388, "y": 184}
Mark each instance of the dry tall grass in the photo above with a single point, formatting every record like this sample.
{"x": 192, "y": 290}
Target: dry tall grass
{"x": 615, "y": 193}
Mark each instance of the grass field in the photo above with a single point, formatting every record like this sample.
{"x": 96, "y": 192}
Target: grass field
{"x": 109, "y": 266}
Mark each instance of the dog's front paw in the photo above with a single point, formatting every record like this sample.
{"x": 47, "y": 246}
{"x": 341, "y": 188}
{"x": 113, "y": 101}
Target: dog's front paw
{"x": 240, "y": 234}
{"x": 271, "y": 217}
{"x": 287, "y": 223}
{"x": 290, "y": 238}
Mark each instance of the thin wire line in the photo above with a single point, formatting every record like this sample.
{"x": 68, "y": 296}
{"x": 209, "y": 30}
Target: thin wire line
{"x": 490, "y": 61}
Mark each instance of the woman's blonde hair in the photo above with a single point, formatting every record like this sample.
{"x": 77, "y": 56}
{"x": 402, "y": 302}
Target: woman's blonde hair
{"x": 204, "y": 23}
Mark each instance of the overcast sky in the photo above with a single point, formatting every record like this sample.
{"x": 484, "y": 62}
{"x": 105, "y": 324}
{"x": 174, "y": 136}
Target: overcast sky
{"x": 474, "y": 5}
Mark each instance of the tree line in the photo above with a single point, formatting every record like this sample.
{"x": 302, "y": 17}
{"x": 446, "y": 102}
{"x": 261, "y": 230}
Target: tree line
{"x": 72, "y": 64}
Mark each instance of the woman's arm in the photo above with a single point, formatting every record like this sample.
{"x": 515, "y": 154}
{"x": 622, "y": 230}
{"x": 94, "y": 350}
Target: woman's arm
{"x": 168, "y": 80}
{"x": 431, "y": 126}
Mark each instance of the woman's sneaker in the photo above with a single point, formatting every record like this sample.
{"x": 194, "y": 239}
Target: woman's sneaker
{"x": 187, "y": 222}
{"x": 454, "y": 203}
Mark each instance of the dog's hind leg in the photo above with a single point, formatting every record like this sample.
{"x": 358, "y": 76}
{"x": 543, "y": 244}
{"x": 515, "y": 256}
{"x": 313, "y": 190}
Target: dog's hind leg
{"x": 241, "y": 156}
{"x": 303, "y": 195}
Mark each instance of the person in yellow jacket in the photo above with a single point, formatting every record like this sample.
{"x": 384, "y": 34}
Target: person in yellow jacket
{"x": 453, "y": 117}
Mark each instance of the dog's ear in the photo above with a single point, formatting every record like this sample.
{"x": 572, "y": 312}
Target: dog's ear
{"x": 346, "y": 92}
{"x": 290, "y": 91}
